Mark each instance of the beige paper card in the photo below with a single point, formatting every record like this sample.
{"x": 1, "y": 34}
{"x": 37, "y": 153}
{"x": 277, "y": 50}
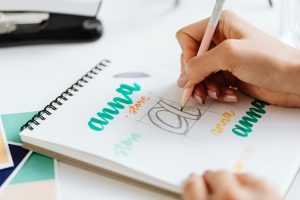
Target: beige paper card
{"x": 5, "y": 157}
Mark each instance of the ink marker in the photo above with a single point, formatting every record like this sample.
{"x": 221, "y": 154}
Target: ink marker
{"x": 207, "y": 38}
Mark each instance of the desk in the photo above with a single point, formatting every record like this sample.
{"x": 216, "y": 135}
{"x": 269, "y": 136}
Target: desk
{"x": 139, "y": 30}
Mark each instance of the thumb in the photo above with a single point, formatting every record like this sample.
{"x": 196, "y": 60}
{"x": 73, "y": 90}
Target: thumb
{"x": 222, "y": 57}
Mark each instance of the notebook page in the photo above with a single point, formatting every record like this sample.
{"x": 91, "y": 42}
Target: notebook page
{"x": 147, "y": 132}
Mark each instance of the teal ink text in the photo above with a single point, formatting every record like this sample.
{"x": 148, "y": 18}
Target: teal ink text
{"x": 252, "y": 116}
{"x": 118, "y": 103}
{"x": 123, "y": 148}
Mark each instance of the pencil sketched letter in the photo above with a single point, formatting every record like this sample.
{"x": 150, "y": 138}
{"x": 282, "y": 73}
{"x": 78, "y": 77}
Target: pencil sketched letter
{"x": 169, "y": 117}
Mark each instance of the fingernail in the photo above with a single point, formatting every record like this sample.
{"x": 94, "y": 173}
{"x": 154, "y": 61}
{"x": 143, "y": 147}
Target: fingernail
{"x": 212, "y": 94}
{"x": 198, "y": 99}
{"x": 230, "y": 98}
{"x": 182, "y": 80}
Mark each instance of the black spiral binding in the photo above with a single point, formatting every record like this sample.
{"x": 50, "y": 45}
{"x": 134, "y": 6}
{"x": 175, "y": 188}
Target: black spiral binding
{"x": 61, "y": 99}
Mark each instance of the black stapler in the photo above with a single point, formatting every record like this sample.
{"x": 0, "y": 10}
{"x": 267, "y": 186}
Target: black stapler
{"x": 48, "y": 21}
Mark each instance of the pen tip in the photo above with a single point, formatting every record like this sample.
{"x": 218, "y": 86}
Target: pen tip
{"x": 181, "y": 108}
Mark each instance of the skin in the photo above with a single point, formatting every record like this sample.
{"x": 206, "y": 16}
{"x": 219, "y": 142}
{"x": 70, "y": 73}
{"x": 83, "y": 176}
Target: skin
{"x": 221, "y": 185}
{"x": 241, "y": 59}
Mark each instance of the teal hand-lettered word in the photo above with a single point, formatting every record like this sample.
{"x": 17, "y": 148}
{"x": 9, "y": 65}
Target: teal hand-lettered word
{"x": 252, "y": 115}
{"x": 98, "y": 123}
{"x": 125, "y": 146}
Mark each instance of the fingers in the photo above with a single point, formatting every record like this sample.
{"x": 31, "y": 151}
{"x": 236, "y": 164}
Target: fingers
{"x": 182, "y": 63}
{"x": 256, "y": 184}
{"x": 229, "y": 95}
{"x": 203, "y": 68}
{"x": 229, "y": 78}
{"x": 219, "y": 79}
{"x": 229, "y": 27}
{"x": 223, "y": 57}
{"x": 196, "y": 69}
{"x": 199, "y": 94}
{"x": 220, "y": 181}
{"x": 249, "y": 180}
{"x": 218, "y": 87}
{"x": 225, "y": 185}
{"x": 213, "y": 88}
{"x": 194, "y": 31}
{"x": 195, "y": 188}
{"x": 189, "y": 39}
{"x": 260, "y": 188}
{"x": 189, "y": 45}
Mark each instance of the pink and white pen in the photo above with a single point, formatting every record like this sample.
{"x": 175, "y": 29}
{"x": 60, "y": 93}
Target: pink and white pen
{"x": 205, "y": 44}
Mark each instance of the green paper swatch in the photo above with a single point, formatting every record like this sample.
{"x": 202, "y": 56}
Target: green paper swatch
{"x": 12, "y": 124}
{"x": 36, "y": 168}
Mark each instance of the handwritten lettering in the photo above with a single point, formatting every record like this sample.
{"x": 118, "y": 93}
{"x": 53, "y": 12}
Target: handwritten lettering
{"x": 98, "y": 123}
{"x": 125, "y": 146}
{"x": 181, "y": 120}
{"x": 245, "y": 125}
{"x": 134, "y": 108}
{"x": 225, "y": 120}
{"x": 240, "y": 165}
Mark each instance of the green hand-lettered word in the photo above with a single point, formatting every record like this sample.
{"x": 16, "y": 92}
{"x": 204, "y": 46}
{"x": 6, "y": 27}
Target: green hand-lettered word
{"x": 252, "y": 115}
{"x": 125, "y": 146}
{"x": 97, "y": 124}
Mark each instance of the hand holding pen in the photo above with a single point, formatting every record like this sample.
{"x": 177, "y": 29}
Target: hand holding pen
{"x": 241, "y": 58}
{"x": 205, "y": 44}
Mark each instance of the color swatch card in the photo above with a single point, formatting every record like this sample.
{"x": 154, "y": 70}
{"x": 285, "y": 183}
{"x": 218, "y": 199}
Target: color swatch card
{"x": 125, "y": 120}
{"x": 5, "y": 157}
{"x": 33, "y": 175}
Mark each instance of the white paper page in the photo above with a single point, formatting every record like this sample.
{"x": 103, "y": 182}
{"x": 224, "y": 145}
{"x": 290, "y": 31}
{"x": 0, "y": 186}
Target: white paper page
{"x": 154, "y": 137}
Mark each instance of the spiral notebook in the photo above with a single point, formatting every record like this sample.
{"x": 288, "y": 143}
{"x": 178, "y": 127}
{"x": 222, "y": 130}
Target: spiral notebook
{"x": 125, "y": 120}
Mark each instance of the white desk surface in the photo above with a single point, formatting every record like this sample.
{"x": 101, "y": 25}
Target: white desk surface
{"x": 140, "y": 30}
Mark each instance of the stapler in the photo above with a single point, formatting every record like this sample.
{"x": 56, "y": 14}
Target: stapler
{"x": 48, "y": 21}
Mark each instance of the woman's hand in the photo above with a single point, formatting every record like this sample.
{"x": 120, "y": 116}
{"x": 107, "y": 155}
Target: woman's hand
{"x": 241, "y": 57}
{"x": 227, "y": 186}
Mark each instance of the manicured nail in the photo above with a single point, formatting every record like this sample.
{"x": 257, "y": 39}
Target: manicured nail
{"x": 198, "y": 99}
{"x": 182, "y": 80}
{"x": 230, "y": 98}
{"x": 212, "y": 94}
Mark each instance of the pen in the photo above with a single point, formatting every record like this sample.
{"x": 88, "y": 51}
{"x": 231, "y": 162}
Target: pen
{"x": 207, "y": 38}
{"x": 271, "y": 3}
